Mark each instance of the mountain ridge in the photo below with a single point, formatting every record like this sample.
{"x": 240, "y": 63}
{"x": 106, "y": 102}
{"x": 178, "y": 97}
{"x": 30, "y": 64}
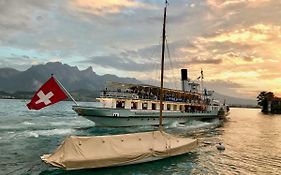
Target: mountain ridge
{"x": 71, "y": 77}
{"x": 84, "y": 83}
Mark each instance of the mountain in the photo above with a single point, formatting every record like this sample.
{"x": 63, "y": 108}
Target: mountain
{"x": 7, "y": 72}
{"x": 84, "y": 85}
{"x": 234, "y": 101}
{"x": 72, "y": 78}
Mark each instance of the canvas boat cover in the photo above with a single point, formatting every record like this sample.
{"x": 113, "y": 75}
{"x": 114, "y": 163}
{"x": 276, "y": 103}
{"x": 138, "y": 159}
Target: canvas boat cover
{"x": 78, "y": 152}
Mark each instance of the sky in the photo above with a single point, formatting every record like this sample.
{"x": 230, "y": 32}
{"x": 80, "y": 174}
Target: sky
{"x": 235, "y": 42}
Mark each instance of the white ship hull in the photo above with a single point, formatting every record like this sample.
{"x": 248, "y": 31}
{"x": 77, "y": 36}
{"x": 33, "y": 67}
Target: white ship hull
{"x": 125, "y": 117}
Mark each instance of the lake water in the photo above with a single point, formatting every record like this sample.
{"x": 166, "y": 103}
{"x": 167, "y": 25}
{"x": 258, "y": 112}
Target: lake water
{"x": 252, "y": 141}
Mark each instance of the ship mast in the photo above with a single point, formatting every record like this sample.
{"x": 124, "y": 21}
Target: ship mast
{"x": 162, "y": 68}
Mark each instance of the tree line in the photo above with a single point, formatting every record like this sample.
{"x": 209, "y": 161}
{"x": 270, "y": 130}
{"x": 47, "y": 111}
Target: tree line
{"x": 269, "y": 103}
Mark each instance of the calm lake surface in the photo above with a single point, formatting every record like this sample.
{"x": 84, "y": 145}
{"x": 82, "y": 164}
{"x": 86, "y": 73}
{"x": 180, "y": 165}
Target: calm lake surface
{"x": 252, "y": 141}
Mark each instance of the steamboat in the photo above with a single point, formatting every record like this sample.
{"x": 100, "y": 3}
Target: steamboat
{"x": 123, "y": 104}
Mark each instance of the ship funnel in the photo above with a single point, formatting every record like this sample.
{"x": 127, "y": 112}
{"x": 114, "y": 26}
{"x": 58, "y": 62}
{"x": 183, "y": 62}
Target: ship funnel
{"x": 183, "y": 74}
{"x": 184, "y": 78}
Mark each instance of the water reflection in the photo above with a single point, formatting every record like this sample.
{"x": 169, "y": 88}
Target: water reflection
{"x": 252, "y": 141}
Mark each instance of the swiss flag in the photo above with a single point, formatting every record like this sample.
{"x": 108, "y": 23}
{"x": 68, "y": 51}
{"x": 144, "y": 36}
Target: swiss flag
{"x": 49, "y": 93}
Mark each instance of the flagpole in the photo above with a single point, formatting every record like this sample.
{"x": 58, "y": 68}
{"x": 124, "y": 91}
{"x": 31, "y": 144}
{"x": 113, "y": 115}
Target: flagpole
{"x": 202, "y": 77}
{"x": 202, "y": 85}
{"x": 69, "y": 95}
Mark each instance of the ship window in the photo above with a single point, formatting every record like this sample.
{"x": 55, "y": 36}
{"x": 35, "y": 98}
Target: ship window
{"x": 186, "y": 108}
{"x": 120, "y": 104}
{"x": 168, "y": 107}
{"x": 181, "y": 108}
{"x": 153, "y": 106}
{"x": 144, "y": 105}
{"x": 134, "y": 105}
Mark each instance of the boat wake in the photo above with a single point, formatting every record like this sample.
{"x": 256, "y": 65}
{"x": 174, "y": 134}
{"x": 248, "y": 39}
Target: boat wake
{"x": 74, "y": 123}
{"x": 28, "y": 123}
{"x": 38, "y": 133}
{"x": 193, "y": 126}
{"x": 48, "y": 132}
{"x": 199, "y": 124}
{"x": 175, "y": 125}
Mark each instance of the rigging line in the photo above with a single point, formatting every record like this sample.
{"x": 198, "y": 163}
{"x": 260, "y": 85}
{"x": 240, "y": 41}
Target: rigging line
{"x": 171, "y": 65}
{"x": 154, "y": 67}
{"x": 158, "y": 66}
{"x": 154, "y": 74}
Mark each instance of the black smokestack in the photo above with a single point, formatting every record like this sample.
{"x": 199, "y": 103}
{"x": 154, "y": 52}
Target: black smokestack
{"x": 183, "y": 74}
{"x": 184, "y": 78}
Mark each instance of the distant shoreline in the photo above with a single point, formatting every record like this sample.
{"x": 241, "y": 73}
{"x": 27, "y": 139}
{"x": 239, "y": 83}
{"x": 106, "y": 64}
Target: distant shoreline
{"x": 28, "y": 99}
{"x": 244, "y": 106}
{"x": 81, "y": 95}
{"x": 248, "y": 107}
{"x": 85, "y": 96}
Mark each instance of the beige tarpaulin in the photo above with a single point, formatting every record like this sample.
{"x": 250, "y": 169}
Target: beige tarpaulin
{"x": 103, "y": 151}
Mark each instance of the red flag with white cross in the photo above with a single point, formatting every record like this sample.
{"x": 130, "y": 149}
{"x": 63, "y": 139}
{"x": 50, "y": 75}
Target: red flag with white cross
{"x": 48, "y": 94}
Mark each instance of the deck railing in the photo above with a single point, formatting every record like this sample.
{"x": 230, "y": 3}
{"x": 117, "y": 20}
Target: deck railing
{"x": 130, "y": 95}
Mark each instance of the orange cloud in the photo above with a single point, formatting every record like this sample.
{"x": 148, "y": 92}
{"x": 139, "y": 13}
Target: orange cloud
{"x": 226, "y": 3}
{"x": 239, "y": 36}
{"x": 250, "y": 55}
{"x": 261, "y": 34}
{"x": 223, "y": 3}
{"x": 103, "y": 7}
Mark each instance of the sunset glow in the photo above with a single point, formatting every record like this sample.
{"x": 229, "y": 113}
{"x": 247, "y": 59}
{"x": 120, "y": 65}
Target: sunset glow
{"x": 105, "y": 6}
{"x": 236, "y": 42}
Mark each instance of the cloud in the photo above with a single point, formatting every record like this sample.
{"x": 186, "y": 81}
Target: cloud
{"x": 123, "y": 63}
{"x": 244, "y": 47}
{"x": 205, "y": 61}
{"x": 59, "y": 29}
{"x": 148, "y": 58}
{"x": 227, "y": 87}
{"x": 270, "y": 75}
{"x": 231, "y": 88}
{"x": 253, "y": 35}
{"x": 237, "y": 40}
{"x": 104, "y": 7}
{"x": 222, "y": 4}
{"x": 224, "y": 84}
{"x": 18, "y": 16}
{"x": 19, "y": 62}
